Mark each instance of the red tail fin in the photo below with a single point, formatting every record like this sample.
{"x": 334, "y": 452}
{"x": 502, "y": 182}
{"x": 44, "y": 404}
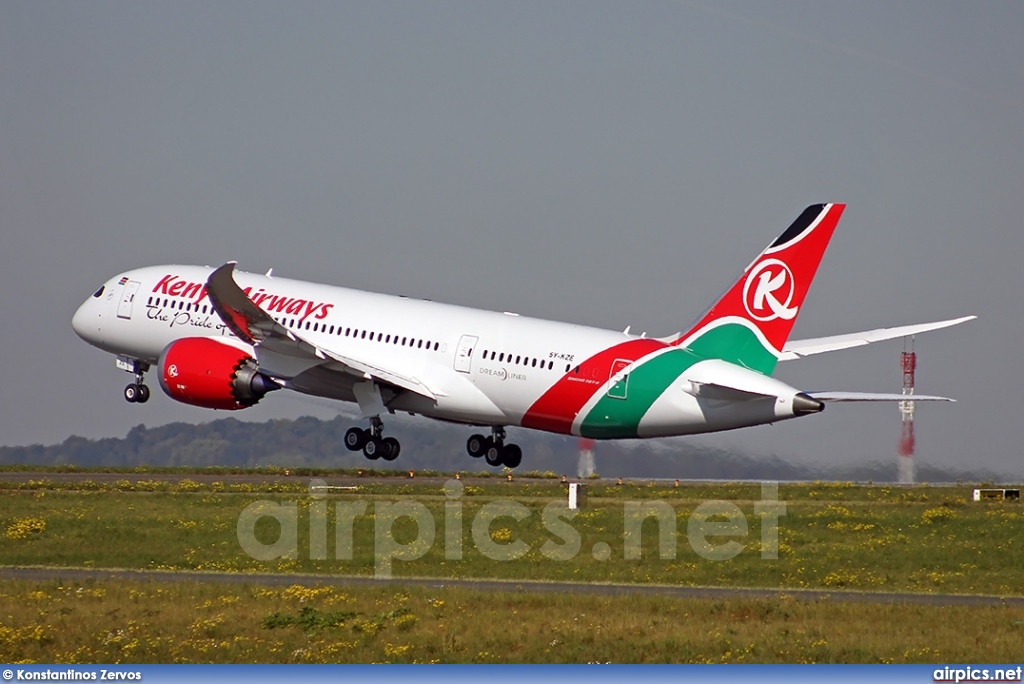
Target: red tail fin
{"x": 768, "y": 297}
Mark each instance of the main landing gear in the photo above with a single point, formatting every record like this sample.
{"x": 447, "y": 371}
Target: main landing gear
{"x": 372, "y": 444}
{"x": 494, "y": 450}
{"x": 137, "y": 392}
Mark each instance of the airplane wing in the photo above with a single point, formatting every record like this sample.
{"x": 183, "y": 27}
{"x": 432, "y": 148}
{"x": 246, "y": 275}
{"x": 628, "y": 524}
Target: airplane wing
{"x": 872, "y": 396}
{"x": 254, "y": 325}
{"x": 796, "y": 349}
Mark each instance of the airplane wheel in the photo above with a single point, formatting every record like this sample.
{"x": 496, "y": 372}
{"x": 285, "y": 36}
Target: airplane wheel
{"x": 476, "y": 445}
{"x": 355, "y": 439}
{"x": 143, "y": 394}
{"x": 512, "y": 456}
{"x": 493, "y": 454}
{"x": 131, "y": 393}
{"x": 391, "y": 449}
{"x": 373, "y": 449}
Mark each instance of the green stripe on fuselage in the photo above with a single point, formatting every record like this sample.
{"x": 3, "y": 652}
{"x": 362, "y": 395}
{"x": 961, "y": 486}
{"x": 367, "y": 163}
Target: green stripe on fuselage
{"x": 613, "y": 418}
{"x": 737, "y": 344}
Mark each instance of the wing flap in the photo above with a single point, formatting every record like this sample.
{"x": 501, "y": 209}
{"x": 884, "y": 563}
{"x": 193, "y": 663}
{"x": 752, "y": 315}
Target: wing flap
{"x": 254, "y": 325}
{"x": 796, "y": 349}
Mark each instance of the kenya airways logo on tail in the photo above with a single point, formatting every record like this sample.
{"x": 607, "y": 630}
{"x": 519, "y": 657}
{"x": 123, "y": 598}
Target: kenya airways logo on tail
{"x": 768, "y": 292}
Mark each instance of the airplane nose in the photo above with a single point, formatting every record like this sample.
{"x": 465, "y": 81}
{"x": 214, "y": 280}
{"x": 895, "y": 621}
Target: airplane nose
{"x": 85, "y": 322}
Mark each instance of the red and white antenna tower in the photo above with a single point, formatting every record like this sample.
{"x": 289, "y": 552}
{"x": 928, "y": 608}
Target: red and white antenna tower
{"x": 908, "y": 361}
{"x": 585, "y": 467}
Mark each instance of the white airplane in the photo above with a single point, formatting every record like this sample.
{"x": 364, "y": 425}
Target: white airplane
{"x": 223, "y": 339}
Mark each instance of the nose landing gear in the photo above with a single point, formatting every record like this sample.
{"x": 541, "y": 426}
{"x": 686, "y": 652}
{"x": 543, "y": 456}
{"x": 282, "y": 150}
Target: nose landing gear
{"x": 136, "y": 392}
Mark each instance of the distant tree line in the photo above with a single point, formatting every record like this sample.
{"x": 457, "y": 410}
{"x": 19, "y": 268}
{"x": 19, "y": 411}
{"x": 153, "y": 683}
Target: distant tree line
{"x": 315, "y": 443}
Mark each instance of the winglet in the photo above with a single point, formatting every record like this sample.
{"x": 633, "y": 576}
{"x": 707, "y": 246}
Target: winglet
{"x": 249, "y": 322}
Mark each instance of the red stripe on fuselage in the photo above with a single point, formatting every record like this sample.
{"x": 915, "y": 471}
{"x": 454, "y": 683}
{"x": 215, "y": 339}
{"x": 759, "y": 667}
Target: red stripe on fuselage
{"x": 557, "y": 408}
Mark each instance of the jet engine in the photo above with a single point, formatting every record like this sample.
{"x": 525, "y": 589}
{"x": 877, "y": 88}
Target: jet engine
{"x": 205, "y": 372}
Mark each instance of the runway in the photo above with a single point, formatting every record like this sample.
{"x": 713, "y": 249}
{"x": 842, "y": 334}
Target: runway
{"x": 485, "y": 585}
{"x": 376, "y": 477}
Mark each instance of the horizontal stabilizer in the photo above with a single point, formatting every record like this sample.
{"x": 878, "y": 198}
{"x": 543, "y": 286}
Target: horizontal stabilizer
{"x": 872, "y": 396}
{"x": 710, "y": 390}
{"x": 797, "y": 349}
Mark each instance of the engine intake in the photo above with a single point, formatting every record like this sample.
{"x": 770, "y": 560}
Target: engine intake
{"x": 205, "y": 372}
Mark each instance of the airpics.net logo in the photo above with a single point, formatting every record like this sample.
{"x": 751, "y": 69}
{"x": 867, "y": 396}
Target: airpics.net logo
{"x": 977, "y": 674}
{"x": 714, "y": 530}
{"x": 769, "y": 290}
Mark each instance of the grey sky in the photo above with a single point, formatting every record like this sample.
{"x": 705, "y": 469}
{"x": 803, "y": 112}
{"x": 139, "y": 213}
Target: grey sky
{"x": 610, "y": 164}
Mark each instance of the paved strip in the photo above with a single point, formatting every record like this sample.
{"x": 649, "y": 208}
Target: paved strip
{"x": 273, "y": 579}
{"x": 399, "y": 477}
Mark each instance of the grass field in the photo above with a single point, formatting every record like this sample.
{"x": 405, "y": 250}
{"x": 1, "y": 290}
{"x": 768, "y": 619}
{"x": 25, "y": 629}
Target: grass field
{"x": 125, "y": 622}
{"x": 830, "y": 536}
{"x": 923, "y": 539}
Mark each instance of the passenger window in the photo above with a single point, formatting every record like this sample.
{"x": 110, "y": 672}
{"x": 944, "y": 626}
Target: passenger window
{"x": 517, "y": 360}
{"x": 501, "y": 356}
{"x": 533, "y": 363}
{"x": 436, "y": 345}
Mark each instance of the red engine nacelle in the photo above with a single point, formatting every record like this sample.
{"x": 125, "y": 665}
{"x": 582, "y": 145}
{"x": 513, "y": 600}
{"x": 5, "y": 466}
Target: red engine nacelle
{"x": 204, "y": 372}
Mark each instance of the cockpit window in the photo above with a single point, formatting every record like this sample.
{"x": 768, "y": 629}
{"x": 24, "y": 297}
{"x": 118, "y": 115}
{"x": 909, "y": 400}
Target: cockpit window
{"x": 99, "y": 292}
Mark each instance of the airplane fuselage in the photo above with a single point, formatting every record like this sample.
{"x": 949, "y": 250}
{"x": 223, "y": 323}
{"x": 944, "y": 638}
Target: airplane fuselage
{"x": 223, "y": 339}
{"x": 486, "y": 368}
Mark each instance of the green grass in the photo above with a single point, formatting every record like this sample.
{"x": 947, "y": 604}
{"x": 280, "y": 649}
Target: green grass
{"x": 132, "y": 622}
{"x": 832, "y": 536}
